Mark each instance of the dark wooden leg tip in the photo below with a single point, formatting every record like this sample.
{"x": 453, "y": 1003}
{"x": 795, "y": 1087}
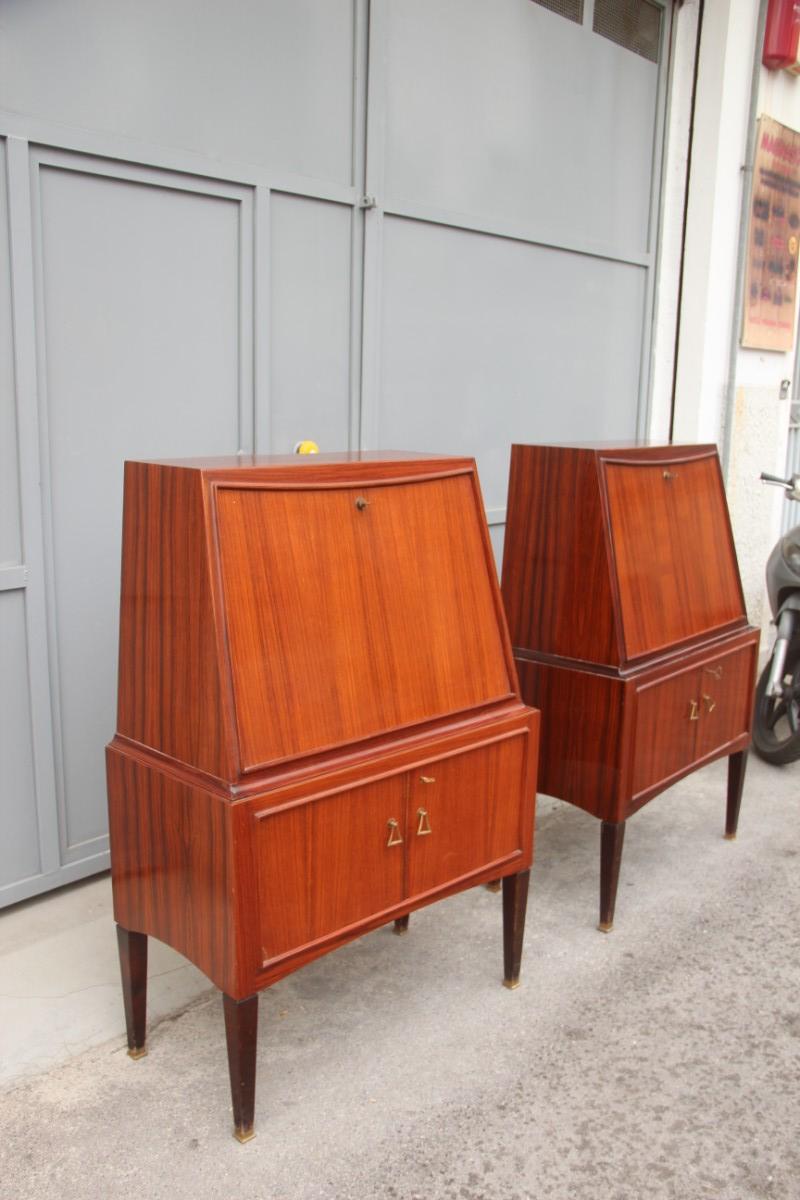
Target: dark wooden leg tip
{"x": 401, "y": 926}
{"x": 133, "y": 966}
{"x": 515, "y": 903}
{"x": 612, "y": 835}
{"x": 241, "y": 1032}
{"x": 737, "y": 764}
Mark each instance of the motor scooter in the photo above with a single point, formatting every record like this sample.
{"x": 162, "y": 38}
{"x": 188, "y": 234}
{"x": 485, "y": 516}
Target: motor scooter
{"x": 776, "y": 720}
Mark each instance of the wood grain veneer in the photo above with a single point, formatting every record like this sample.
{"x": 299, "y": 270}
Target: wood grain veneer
{"x": 319, "y": 722}
{"x": 627, "y": 619}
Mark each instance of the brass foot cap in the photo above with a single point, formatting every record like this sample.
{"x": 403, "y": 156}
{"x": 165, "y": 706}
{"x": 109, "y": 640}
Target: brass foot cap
{"x": 244, "y": 1135}
{"x": 400, "y": 930}
{"x": 511, "y": 984}
{"x": 137, "y": 1052}
{"x": 605, "y": 926}
{"x": 730, "y": 837}
{"x": 494, "y": 886}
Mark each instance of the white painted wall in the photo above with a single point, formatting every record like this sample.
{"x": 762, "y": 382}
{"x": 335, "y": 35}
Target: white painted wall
{"x": 673, "y": 203}
{"x": 759, "y": 417}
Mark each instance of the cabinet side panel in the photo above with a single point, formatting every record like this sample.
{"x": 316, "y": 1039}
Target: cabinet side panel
{"x": 556, "y": 577}
{"x": 169, "y": 686}
{"x": 580, "y": 748}
{"x": 170, "y": 864}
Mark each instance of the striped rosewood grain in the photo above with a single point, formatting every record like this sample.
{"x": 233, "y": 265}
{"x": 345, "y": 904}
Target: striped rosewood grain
{"x": 170, "y": 687}
{"x": 675, "y": 521}
{"x": 628, "y": 623}
{"x": 340, "y": 606}
{"x": 170, "y": 856}
{"x": 301, "y": 641}
{"x": 556, "y": 579}
{"x": 580, "y": 754}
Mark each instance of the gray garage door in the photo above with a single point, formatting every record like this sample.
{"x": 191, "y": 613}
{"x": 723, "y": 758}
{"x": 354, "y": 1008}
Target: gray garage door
{"x": 413, "y": 223}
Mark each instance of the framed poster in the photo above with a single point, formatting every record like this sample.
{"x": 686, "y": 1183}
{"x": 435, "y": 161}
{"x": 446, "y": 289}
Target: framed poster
{"x": 774, "y": 236}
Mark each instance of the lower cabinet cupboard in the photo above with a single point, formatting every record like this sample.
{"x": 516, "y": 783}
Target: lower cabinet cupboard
{"x": 319, "y": 724}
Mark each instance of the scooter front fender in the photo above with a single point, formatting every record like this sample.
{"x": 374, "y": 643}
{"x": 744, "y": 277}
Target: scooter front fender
{"x": 790, "y": 604}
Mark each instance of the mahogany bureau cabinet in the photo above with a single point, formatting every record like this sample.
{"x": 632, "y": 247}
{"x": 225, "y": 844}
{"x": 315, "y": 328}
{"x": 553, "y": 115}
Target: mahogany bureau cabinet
{"x": 319, "y": 726}
{"x": 628, "y": 624}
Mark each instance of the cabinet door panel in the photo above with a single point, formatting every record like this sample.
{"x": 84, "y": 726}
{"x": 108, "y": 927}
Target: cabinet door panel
{"x": 326, "y": 864}
{"x": 665, "y": 731}
{"x": 726, "y": 699}
{"x": 676, "y": 568}
{"x": 464, "y": 813}
{"x": 352, "y": 612}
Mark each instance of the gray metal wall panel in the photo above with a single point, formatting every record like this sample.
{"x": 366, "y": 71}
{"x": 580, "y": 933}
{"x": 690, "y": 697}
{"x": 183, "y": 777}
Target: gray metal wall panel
{"x": 19, "y": 831}
{"x": 10, "y": 543}
{"x": 264, "y": 81}
{"x": 140, "y": 350}
{"x": 488, "y": 341}
{"x": 510, "y": 111}
{"x": 310, "y": 260}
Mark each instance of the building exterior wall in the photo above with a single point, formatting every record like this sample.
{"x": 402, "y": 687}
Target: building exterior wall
{"x": 372, "y": 223}
{"x": 708, "y": 396}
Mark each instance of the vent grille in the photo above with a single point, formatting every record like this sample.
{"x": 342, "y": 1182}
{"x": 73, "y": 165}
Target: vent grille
{"x": 633, "y": 24}
{"x": 571, "y": 9}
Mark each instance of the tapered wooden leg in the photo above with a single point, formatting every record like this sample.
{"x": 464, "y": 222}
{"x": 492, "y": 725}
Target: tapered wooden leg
{"x": 737, "y": 764}
{"x": 401, "y": 924}
{"x": 133, "y": 964}
{"x": 515, "y": 902}
{"x": 241, "y": 1032}
{"x": 612, "y": 835}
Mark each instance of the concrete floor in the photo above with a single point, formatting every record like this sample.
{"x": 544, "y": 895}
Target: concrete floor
{"x": 662, "y": 1060}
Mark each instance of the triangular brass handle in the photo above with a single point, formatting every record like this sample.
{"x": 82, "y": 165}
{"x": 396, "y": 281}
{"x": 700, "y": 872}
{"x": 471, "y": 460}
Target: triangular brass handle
{"x": 394, "y": 833}
{"x": 424, "y": 822}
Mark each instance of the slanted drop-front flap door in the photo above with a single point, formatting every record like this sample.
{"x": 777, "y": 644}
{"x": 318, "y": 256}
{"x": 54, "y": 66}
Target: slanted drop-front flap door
{"x": 352, "y": 612}
{"x": 676, "y": 567}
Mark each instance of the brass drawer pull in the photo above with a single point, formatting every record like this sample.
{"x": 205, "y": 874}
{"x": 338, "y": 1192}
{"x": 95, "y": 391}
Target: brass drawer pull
{"x": 715, "y": 671}
{"x": 709, "y": 703}
{"x": 427, "y": 779}
{"x": 424, "y": 822}
{"x": 669, "y": 475}
{"x": 694, "y": 710}
{"x": 394, "y": 833}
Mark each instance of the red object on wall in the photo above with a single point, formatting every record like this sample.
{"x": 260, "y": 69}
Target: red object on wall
{"x": 782, "y": 34}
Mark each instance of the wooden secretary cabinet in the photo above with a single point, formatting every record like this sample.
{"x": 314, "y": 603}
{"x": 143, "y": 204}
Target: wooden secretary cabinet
{"x": 319, "y": 728}
{"x": 627, "y": 619}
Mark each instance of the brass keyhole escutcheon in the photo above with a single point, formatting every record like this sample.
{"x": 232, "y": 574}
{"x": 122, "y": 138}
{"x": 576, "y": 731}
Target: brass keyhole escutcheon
{"x": 694, "y": 710}
{"x": 394, "y": 833}
{"x": 669, "y": 475}
{"x": 710, "y": 703}
{"x": 361, "y": 503}
{"x": 424, "y": 822}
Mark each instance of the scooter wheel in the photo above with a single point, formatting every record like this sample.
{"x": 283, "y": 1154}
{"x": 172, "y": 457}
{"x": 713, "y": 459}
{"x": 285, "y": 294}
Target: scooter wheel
{"x": 776, "y": 720}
